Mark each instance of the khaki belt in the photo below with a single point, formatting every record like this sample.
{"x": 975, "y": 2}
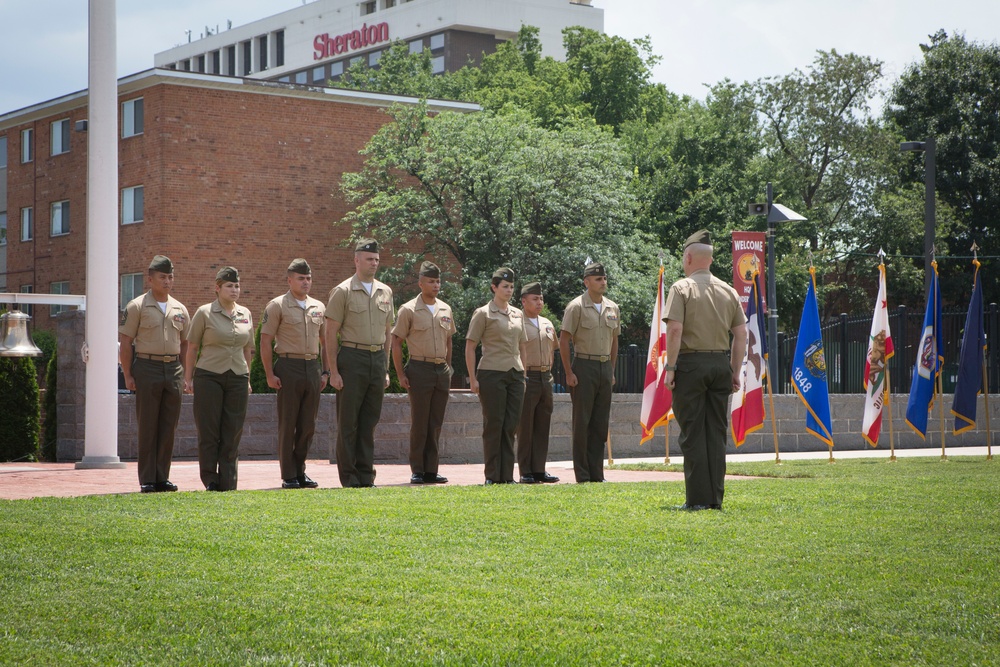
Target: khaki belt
{"x": 165, "y": 358}
{"x": 540, "y": 369}
{"x": 359, "y": 346}
{"x": 704, "y": 352}
{"x": 307, "y": 357}
{"x": 595, "y": 357}
{"x": 430, "y": 360}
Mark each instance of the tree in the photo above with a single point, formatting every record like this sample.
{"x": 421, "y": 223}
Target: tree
{"x": 19, "y": 418}
{"x": 953, "y": 94}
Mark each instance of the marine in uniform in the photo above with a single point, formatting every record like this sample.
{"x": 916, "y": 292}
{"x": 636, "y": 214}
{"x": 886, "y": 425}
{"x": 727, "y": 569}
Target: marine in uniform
{"x": 703, "y": 369}
{"x": 360, "y": 311}
{"x": 499, "y": 378}
{"x": 592, "y": 323}
{"x": 219, "y": 377}
{"x": 295, "y": 323}
{"x": 536, "y": 412}
{"x": 426, "y": 324}
{"x": 156, "y": 324}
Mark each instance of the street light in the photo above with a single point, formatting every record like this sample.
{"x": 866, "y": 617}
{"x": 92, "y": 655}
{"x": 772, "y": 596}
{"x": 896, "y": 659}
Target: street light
{"x": 928, "y": 147}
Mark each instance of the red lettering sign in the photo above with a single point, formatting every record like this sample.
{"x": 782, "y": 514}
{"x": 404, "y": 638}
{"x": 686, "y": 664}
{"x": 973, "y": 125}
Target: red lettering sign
{"x": 325, "y": 46}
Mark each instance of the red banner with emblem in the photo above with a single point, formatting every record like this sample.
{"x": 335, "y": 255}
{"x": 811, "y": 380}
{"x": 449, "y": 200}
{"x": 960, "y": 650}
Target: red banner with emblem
{"x": 746, "y": 247}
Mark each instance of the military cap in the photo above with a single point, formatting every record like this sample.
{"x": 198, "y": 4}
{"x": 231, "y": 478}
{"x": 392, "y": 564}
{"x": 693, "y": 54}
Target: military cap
{"x": 504, "y": 273}
{"x": 301, "y": 266}
{"x": 162, "y": 264}
{"x": 595, "y": 269}
{"x": 532, "y": 288}
{"x": 430, "y": 270}
{"x": 366, "y": 245}
{"x": 701, "y": 236}
{"x": 227, "y": 274}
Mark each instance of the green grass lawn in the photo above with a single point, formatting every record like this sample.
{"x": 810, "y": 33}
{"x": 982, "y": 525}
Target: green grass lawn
{"x": 863, "y": 562}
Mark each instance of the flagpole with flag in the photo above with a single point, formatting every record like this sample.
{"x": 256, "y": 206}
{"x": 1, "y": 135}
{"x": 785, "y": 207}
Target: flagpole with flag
{"x": 747, "y": 404}
{"x": 971, "y": 369}
{"x": 930, "y": 359}
{"x": 656, "y": 396}
{"x": 876, "y": 377}
{"x": 809, "y": 369}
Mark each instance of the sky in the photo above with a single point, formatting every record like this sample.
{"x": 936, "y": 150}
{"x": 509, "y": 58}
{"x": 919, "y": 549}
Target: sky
{"x": 43, "y": 43}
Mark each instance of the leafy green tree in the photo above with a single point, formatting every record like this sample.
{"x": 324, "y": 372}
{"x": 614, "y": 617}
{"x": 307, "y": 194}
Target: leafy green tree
{"x": 19, "y": 418}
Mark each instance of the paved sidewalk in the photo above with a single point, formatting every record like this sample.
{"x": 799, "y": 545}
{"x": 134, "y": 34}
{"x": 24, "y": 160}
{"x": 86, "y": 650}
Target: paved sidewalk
{"x": 33, "y": 480}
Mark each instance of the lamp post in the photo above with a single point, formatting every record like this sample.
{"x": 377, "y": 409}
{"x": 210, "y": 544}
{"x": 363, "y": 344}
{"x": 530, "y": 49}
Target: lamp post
{"x": 928, "y": 147}
{"x": 775, "y": 213}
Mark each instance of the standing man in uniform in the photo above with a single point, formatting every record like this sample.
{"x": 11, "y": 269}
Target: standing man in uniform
{"x": 536, "y": 414}
{"x": 426, "y": 324}
{"x": 295, "y": 323}
{"x": 360, "y": 310}
{"x": 592, "y": 323}
{"x": 158, "y": 325}
{"x": 701, "y": 312}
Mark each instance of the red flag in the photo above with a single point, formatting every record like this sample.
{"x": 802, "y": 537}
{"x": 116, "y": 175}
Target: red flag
{"x": 656, "y": 397}
{"x": 747, "y": 406}
{"x": 880, "y": 350}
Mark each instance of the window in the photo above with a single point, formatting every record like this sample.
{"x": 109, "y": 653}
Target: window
{"x": 279, "y": 48}
{"x": 336, "y": 69}
{"x": 216, "y": 62}
{"x": 301, "y": 77}
{"x": 437, "y": 64}
{"x": 437, "y": 42}
{"x": 417, "y": 46}
{"x": 60, "y": 137}
{"x": 132, "y": 284}
{"x": 3, "y": 152}
{"x": 319, "y": 75}
{"x": 28, "y": 308}
{"x": 231, "y": 60}
{"x": 185, "y": 65}
{"x": 27, "y": 224}
{"x": 247, "y": 58}
{"x": 199, "y": 64}
{"x": 60, "y": 218}
{"x": 356, "y": 59}
{"x": 132, "y": 117}
{"x": 61, "y": 287}
{"x": 373, "y": 58}
{"x": 3, "y": 228}
{"x": 27, "y": 145}
{"x": 132, "y": 204}
{"x": 388, "y": 4}
{"x": 368, "y": 7}
{"x": 262, "y": 52}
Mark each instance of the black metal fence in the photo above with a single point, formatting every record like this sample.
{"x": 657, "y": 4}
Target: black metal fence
{"x": 845, "y": 346}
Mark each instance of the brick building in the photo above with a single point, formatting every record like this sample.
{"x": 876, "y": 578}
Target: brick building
{"x": 212, "y": 171}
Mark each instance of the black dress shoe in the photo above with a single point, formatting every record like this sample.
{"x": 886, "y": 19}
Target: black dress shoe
{"x": 434, "y": 478}
{"x": 417, "y": 478}
{"x": 529, "y": 479}
{"x": 291, "y": 483}
{"x": 490, "y": 482}
{"x": 147, "y": 488}
{"x": 307, "y": 483}
{"x": 212, "y": 486}
{"x": 692, "y": 508}
{"x": 166, "y": 486}
{"x": 370, "y": 485}
{"x": 545, "y": 478}
{"x": 715, "y": 507}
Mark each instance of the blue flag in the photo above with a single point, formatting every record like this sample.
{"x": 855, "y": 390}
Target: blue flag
{"x": 970, "y": 365}
{"x": 930, "y": 359}
{"x": 809, "y": 368}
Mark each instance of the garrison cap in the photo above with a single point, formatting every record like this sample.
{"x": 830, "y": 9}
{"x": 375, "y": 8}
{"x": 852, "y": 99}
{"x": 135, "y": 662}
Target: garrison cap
{"x": 701, "y": 236}
{"x": 162, "y": 264}
{"x": 366, "y": 245}
{"x": 504, "y": 273}
{"x": 300, "y": 266}
{"x": 594, "y": 269}
{"x": 532, "y": 288}
{"x": 227, "y": 274}
{"x": 430, "y": 270}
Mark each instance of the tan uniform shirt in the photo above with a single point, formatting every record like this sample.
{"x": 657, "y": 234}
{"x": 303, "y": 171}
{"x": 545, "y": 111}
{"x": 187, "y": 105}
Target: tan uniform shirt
{"x": 501, "y": 335}
{"x": 542, "y": 342}
{"x": 593, "y": 333}
{"x": 362, "y": 318}
{"x": 708, "y": 308}
{"x": 295, "y": 329}
{"x": 221, "y": 338}
{"x": 152, "y": 331}
{"x": 426, "y": 335}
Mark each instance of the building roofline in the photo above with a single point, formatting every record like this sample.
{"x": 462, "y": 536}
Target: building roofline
{"x": 152, "y": 77}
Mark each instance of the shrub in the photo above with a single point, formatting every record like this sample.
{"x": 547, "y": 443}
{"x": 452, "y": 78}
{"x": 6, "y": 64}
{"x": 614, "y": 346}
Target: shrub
{"x": 18, "y": 409}
{"x": 50, "y": 429}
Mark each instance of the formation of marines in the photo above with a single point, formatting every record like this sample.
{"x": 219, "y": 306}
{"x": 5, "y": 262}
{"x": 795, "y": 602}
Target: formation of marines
{"x": 348, "y": 343}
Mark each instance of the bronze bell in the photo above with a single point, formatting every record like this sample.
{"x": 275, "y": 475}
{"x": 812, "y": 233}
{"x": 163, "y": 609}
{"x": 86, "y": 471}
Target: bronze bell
{"x": 14, "y": 338}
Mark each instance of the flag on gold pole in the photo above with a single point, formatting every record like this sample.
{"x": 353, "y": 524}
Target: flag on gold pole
{"x": 656, "y": 396}
{"x": 876, "y": 377}
{"x": 747, "y": 404}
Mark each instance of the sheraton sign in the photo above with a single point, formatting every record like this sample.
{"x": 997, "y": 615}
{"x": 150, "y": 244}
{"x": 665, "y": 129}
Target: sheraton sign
{"x": 368, "y": 35}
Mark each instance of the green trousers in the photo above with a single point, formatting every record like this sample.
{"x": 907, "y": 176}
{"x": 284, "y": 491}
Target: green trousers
{"x": 591, "y": 417}
{"x": 158, "y": 390}
{"x": 359, "y": 407}
{"x": 501, "y": 394}
{"x": 430, "y": 386}
{"x": 702, "y": 386}
{"x": 220, "y": 406}
{"x": 536, "y": 417}
{"x": 298, "y": 405}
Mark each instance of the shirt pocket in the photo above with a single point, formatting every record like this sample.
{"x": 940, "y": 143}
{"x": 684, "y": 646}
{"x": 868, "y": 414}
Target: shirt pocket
{"x": 178, "y": 322}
